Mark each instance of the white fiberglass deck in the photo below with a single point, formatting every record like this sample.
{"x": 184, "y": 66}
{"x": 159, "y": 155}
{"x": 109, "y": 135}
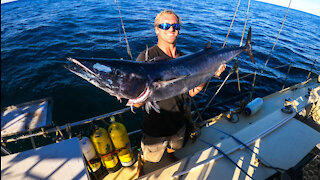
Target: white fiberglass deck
{"x": 277, "y": 137}
{"x": 56, "y": 161}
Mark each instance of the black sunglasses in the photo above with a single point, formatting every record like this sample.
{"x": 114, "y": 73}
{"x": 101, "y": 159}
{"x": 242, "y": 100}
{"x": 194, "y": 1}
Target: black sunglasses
{"x": 166, "y": 26}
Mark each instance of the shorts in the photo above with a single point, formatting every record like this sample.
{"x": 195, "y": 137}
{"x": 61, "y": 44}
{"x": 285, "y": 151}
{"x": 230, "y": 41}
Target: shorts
{"x": 153, "y": 148}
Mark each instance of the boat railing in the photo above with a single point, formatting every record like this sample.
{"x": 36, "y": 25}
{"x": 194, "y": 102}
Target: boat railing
{"x": 65, "y": 127}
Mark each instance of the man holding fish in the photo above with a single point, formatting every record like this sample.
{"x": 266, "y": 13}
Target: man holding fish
{"x": 159, "y": 85}
{"x": 165, "y": 130}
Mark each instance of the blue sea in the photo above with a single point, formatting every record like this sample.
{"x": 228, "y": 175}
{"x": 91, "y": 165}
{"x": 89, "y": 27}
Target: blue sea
{"x": 37, "y": 36}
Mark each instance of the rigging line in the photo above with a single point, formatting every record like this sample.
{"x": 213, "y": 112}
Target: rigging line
{"x": 244, "y": 29}
{"x": 225, "y": 41}
{"x": 124, "y": 31}
{"x": 234, "y": 16}
{"x": 227, "y": 100}
{"x": 284, "y": 83}
{"x": 314, "y": 62}
{"x": 284, "y": 19}
{"x": 197, "y": 109}
{"x": 249, "y": 74}
{"x": 252, "y": 86}
{"x": 231, "y": 71}
{"x": 276, "y": 39}
{"x": 242, "y": 77}
{"x": 225, "y": 155}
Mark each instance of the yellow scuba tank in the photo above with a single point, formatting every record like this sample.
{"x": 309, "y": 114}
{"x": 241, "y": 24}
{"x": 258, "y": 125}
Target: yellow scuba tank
{"x": 105, "y": 150}
{"x": 121, "y": 142}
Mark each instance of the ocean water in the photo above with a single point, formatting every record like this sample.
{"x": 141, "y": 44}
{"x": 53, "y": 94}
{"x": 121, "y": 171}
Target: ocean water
{"x": 37, "y": 36}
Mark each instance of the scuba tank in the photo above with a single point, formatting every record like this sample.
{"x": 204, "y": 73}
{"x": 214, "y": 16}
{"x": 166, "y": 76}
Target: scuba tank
{"x": 121, "y": 142}
{"x": 94, "y": 163}
{"x": 90, "y": 154}
{"x": 104, "y": 148}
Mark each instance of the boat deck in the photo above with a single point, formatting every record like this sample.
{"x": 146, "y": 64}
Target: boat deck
{"x": 277, "y": 137}
{"x": 63, "y": 160}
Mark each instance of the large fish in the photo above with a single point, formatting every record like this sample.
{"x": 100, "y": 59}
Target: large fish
{"x": 157, "y": 80}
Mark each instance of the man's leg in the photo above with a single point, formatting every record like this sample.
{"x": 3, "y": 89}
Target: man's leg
{"x": 152, "y": 150}
{"x": 176, "y": 142}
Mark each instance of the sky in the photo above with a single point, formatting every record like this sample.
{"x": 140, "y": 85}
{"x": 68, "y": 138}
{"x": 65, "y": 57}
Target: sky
{"x": 6, "y": 1}
{"x": 309, "y": 6}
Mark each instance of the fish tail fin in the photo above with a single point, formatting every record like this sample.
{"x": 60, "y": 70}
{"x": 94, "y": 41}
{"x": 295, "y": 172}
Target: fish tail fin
{"x": 248, "y": 46}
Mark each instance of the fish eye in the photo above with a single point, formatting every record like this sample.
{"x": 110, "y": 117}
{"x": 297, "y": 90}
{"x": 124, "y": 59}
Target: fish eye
{"x": 117, "y": 72}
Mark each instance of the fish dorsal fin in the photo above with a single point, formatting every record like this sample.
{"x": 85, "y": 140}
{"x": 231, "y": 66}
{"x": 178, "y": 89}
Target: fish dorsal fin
{"x": 164, "y": 83}
{"x": 208, "y": 46}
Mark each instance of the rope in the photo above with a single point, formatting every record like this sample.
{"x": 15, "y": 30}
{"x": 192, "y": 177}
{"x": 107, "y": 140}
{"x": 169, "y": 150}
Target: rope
{"x": 249, "y": 74}
{"x": 44, "y": 133}
{"x": 276, "y": 39}
{"x": 225, "y": 41}
{"x": 244, "y": 29}
{"x": 242, "y": 77}
{"x": 234, "y": 16}
{"x": 314, "y": 62}
{"x": 58, "y": 130}
{"x": 225, "y": 155}
{"x": 68, "y": 129}
{"x": 253, "y": 84}
{"x": 284, "y": 83}
{"x": 267, "y": 164}
{"x": 32, "y": 141}
{"x": 115, "y": 151}
{"x": 230, "y": 72}
{"x": 124, "y": 32}
{"x": 237, "y": 62}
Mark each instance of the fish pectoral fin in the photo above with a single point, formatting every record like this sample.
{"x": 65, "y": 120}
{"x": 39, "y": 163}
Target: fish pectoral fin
{"x": 152, "y": 105}
{"x": 164, "y": 83}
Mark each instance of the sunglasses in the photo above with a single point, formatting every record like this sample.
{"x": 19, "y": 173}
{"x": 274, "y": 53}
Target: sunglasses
{"x": 166, "y": 26}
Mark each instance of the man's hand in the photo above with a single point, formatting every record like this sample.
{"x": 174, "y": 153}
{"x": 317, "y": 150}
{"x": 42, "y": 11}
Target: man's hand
{"x": 196, "y": 90}
{"x": 220, "y": 70}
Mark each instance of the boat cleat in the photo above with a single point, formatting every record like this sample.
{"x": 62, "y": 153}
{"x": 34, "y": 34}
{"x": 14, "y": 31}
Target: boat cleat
{"x": 289, "y": 106}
